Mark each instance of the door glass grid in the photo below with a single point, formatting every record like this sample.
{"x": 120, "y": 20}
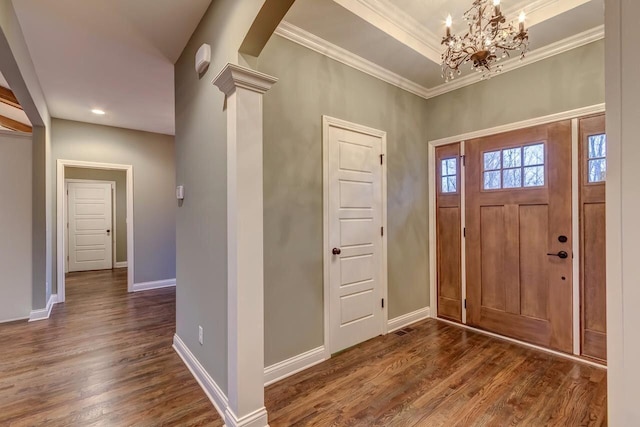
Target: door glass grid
{"x": 449, "y": 173}
{"x": 597, "y": 163}
{"x": 514, "y": 167}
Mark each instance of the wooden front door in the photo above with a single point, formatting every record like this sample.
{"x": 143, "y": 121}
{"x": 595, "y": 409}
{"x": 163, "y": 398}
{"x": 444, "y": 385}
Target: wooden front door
{"x": 518, "y": 228}
{"x": 593, "y": 298}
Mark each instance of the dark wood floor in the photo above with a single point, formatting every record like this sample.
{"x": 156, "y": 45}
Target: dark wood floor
{"x": 441, "y": 375}
{"x": 105, "y": 358}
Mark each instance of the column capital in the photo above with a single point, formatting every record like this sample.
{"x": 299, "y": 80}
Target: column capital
{"x": 233, "y": 76}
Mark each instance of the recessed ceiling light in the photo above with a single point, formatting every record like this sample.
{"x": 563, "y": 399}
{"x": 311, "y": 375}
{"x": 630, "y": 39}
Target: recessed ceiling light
{"x": 98, "y": 112}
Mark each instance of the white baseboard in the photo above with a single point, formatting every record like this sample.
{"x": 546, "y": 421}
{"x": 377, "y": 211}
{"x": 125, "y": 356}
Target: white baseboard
{"x": 145, "y": 286}
{"x": 121, "y": 264}
{"x": 407, "y": 319}
{"x": 211, "y": 389}
{"x": 254, "y": 419}
{"x": 286, "y": 368}
{"x": 44, "y": 313}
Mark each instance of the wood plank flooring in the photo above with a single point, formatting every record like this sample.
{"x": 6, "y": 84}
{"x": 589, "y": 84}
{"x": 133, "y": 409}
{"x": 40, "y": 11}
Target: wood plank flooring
{"x": 441, "y": 375}
{"x": 104, "y": 358}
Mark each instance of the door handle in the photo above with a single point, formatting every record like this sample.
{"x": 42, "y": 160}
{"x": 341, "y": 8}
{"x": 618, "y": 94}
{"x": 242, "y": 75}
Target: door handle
{"x": 336, "y": 251}
{"x": 108, "y": 231}
{"x": 561, "y": 255}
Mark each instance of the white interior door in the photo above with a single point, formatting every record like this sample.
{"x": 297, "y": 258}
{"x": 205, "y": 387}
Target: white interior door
{"x": 355, "y": 237}
{"x": 90, "y": 226}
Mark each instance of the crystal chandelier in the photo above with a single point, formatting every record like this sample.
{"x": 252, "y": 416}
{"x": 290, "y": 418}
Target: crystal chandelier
{"x": 488, "y": 40}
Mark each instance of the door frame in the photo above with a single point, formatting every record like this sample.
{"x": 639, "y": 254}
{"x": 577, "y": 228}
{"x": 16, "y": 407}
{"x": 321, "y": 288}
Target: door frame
{"x": 328, "y": 122}
{"x": 113, "y": 216}
{"x": 566, "y": 115}
{"x": 61, "y": 215}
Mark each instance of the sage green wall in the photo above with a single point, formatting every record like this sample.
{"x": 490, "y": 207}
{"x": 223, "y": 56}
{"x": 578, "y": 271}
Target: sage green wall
{"x": 120, "y": 178}
{"x": 311, "y": 85}
{"x": 18, "y": 69}
{"x": 563, "y": 82}
{"x": 15, "y": 226}
{"x": 152, "y": 156}
{"x": 201, "y": 159}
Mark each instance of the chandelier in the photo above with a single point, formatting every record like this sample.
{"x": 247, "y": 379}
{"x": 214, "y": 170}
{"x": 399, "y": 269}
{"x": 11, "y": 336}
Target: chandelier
{"x": 488, "y": 40}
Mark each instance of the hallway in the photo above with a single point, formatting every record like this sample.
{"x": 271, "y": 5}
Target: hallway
{"x": 104, "y": 358}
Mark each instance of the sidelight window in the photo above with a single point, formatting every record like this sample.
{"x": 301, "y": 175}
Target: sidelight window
{"x": 597, "y": 163}
{"x": 514, "y": 167}
{"x": 449, "y": 173}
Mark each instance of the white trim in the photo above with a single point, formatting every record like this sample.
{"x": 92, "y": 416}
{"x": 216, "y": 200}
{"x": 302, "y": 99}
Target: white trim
{"x": 433, "y": 261}
{"x": 398, "y": 24}
{"x": 145, "y": 286}
{"x": 121, "y": 264}
{"x": 317, "y": 44}
{"x": 286, "y": 368}
{"x": 257, "y": 418}
{"x": 565, "y": 115}
{"x": 408, "y": 319}
{"x": 463, "y": 240}
{"x": 330, "y": 50}
{"x": 525, "y": 344}
{"x": 403, "y": 27}
{"x": 244, "y": 88}
{"x": 114, "y": 218}
{"x": 208, "y": 385}
{"x": 327, "y": 122}
{"x": 575, "y": 215}
{"x": 44, "y": 313}
{"x": 536, "y": 55}
{"x": 60, "y": 210}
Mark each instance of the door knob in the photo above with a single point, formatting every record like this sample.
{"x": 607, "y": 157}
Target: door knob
{"x": 561, "y": 254}
{"x": 108, "y": 231}
{"x": 336, "y": 251}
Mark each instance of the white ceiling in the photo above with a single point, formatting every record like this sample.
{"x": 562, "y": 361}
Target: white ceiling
{"x": 403, "y": 36}
{"x": 114, "y": 55}
{"x": 11, "y": 112}
{"x": 118, "y": 55}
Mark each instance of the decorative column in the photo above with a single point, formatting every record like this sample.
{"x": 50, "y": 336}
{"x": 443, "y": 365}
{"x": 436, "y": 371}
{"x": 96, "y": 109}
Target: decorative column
{"x": 244, "y": 88}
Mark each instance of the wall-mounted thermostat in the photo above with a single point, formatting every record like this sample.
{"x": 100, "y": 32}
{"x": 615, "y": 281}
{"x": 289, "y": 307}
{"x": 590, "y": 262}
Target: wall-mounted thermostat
{"x": 180, "y": 192}
{"x": 203, "y": 58}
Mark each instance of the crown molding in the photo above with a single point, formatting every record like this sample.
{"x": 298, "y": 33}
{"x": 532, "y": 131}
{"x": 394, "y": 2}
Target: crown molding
{"x": 320, "y": 45}
{"x": 544, "y": 52}
{"x": 397, "y": 24}
{"x": 405, "y": 28}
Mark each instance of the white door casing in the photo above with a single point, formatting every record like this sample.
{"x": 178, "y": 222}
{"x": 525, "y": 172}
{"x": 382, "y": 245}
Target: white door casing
{"x": 90, "y": 226}
{"x": 355, "y": 256}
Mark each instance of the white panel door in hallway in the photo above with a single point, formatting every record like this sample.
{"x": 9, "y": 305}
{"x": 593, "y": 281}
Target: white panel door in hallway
{"x": 355, "y": 242}
{"x": 90, "y": 226}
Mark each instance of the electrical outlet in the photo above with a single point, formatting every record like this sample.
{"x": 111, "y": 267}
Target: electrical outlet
{"x": 200, "y": 335}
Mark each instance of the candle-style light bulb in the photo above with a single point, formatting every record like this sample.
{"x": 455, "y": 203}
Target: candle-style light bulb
{"x": 521, "y": 18}
{"x": 496, "y": 7}
{"x": 448, "y": 23}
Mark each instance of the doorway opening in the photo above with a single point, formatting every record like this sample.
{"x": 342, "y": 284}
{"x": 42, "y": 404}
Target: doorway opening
{"x": 94, "y": 219}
